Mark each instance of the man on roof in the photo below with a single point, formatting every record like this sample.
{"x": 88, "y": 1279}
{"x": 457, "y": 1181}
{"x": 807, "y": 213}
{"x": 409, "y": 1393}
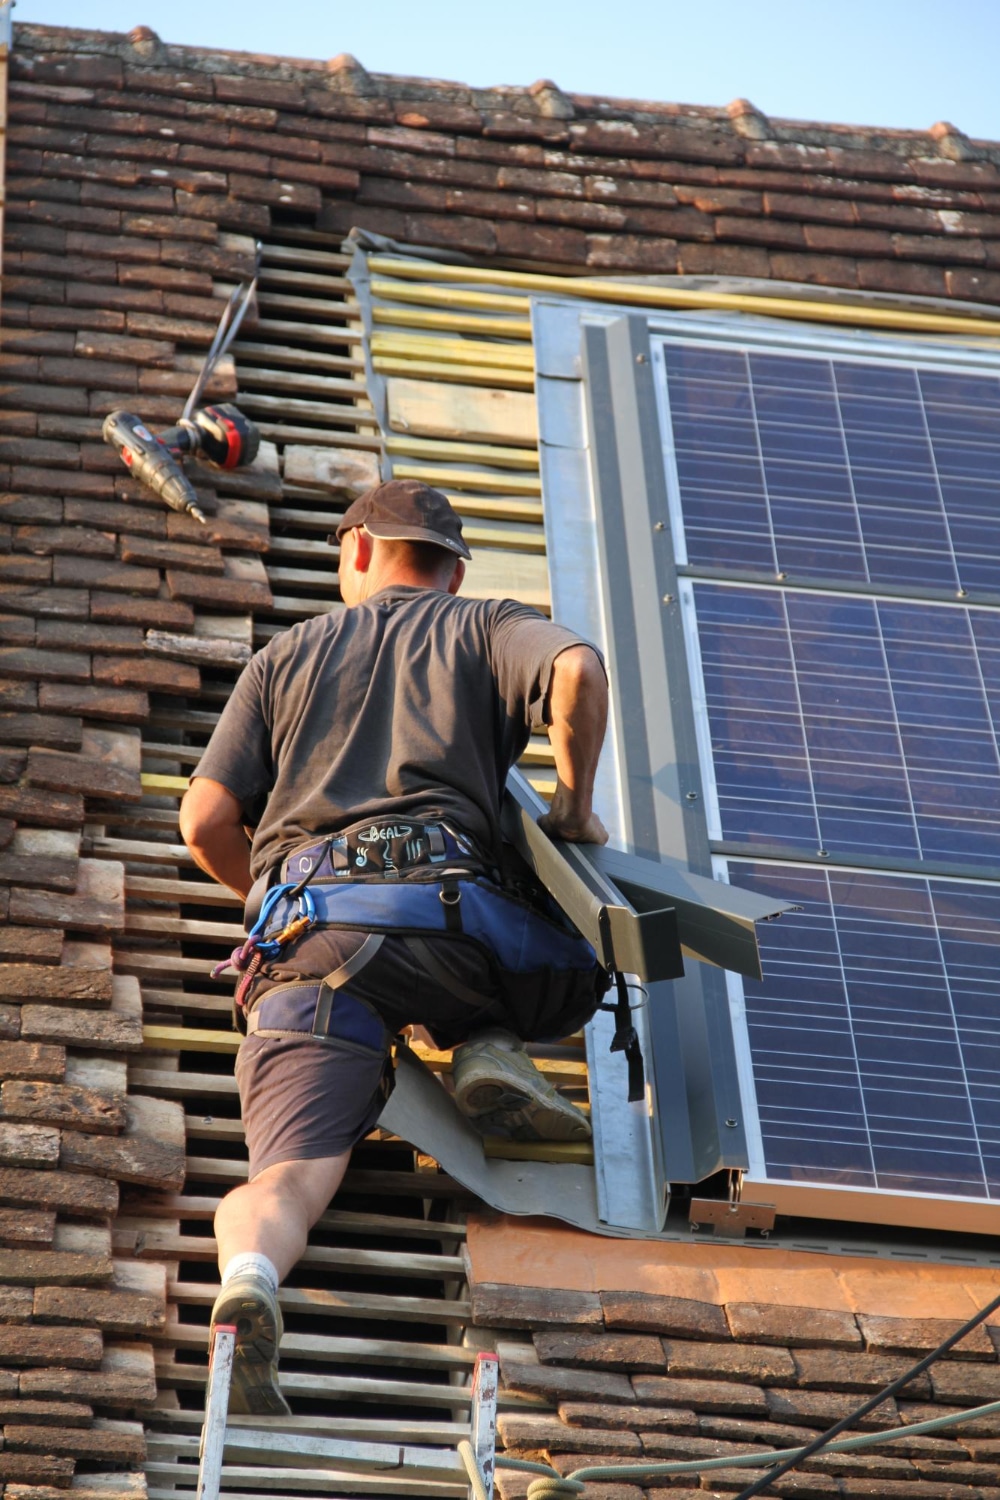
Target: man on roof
{"x": 368, "y": 749}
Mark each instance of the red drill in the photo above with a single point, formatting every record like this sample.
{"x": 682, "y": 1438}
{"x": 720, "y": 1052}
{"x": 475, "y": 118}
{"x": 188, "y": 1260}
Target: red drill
{"x": 220, "y": 435}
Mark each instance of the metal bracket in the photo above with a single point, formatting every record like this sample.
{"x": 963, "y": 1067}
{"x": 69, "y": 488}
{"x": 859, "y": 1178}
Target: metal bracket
{"x": 640, "y": 915}
{"x": 633, "y": 942}
{"x": 731, "y": 1220}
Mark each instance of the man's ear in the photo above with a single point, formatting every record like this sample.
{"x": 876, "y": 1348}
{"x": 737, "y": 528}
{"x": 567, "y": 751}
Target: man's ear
{"x": 365, "y": 549}
{"x": 455, "y": 582}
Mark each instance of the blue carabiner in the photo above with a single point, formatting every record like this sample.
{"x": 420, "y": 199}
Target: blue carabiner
{"x": 307, "y": 908}
{"x": 270, "y": 901}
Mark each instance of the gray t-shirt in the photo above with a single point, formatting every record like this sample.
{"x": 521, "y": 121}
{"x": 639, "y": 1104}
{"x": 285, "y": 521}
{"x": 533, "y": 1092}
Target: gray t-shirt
{"x": 414, "y": 703}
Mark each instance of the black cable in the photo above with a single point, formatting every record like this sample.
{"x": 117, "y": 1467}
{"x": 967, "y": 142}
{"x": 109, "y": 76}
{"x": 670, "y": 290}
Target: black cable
{"x": 761, "y": 1484}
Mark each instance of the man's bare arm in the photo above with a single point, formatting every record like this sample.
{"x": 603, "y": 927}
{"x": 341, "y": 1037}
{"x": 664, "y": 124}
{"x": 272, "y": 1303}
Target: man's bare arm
{"x": 211, "y": 823}
{"x": 578, "y": 708}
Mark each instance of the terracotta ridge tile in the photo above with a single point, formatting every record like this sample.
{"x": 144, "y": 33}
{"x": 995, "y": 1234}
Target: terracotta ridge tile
{"x": 66, "y": 60}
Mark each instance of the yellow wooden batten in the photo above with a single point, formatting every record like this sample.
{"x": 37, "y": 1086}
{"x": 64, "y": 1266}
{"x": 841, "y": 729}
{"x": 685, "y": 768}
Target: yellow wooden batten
{"x": 434, "y": 296}
{"x": 515, "y": 538}
{"x": 496, "y": 507}
{"x": 452, "y": 322}
{"x": 644, "y": 294}
{"x": 453, "y": 351}
{"x": 470, "y": 453}
{"x": 515, "y": 380}
{"x": 469, "y": 479}
{"x": 576, "y": 1153}
{"x": 205, "y": 1039}
{"x": 557, "y": 1071}
{"x": 188, "y": 1039}
{"x": 171, "y": 786}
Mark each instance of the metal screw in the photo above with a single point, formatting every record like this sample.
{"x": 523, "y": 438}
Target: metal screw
{"x": 658, "y": 526}
{"x": 640, "y": 359}
{"x": 781, "y": 576}
{"x": 822, "y": 854}
{"x": 668, "y": 598}
{"x": 961, "y": 594}
{"x": 731, "y": 1124}
{"x": 692, "y": 796}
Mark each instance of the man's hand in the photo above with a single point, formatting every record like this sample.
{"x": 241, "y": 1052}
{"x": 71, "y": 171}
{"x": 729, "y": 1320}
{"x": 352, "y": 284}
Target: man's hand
{"x": 564, "y": 820}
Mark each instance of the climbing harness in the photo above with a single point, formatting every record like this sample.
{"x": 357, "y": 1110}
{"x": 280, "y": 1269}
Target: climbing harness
{"x": 416, "y": 881}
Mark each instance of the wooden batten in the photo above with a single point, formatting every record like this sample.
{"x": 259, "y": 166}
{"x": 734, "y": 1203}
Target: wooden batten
{"x": 433, "y": 409}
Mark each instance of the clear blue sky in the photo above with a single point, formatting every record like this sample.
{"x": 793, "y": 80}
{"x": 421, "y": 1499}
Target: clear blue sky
{"x": 904, "y": 63}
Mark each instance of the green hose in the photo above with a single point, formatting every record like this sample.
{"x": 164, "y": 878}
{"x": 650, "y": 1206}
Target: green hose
{"x": 553, "y": 1486}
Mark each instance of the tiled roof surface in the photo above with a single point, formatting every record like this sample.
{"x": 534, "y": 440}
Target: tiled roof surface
{"x": 628, "y": 1377}
{"x": 187, "y": 139}
{"x": 104, "y": 600}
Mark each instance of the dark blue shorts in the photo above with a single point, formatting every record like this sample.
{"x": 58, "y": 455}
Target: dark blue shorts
{"x": 302, "y": 1098}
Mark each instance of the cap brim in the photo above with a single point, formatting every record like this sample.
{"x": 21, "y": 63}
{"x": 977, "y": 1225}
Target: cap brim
{"x": 387, "y": 532}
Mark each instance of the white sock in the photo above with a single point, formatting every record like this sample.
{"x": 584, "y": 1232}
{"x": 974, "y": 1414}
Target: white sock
{"x": 250, "y": 1260}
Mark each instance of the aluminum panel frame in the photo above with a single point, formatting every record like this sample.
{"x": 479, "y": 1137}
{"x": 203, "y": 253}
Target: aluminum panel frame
{"x": 616, "y": 577}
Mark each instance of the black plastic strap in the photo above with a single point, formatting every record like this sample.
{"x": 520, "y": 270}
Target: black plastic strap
{"x": 451, "y": 900}
{"x": 435, "y": 840}
{"x": 332, "y": 982}
{"x": 443, "y": 976}
{"x": 338, "y": 855}
{"x": 626, "y": 1039}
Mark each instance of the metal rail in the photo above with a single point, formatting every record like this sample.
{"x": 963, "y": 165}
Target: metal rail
{"x": 640, "y": 916}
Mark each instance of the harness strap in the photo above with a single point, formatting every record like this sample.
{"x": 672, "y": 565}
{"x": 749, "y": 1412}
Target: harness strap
{"x": 339, "y": 977}
{"x": 435, "y": 840}
{"x": 450, "y": 896}
{"x": 325, "y": 988}
{"x": 425, "y": 955}
{"x": 626, "y": 1039}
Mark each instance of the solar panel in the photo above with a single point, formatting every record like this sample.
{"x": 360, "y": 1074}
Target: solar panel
{"x": 849, "y": 698}
{"x": 875, "y": 1033}
{"x": 817, "y": 467}
{"x": 853, "y": 725}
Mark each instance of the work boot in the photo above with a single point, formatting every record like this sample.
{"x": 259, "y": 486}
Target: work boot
{"x": 248, "y": 1303}
{"x": 501, "y": 1092}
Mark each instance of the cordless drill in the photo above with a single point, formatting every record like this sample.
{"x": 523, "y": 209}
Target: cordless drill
{"x": 218, "y": 435}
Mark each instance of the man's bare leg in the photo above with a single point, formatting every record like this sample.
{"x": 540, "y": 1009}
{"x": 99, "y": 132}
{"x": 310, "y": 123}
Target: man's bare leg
{"x": 262, "y": 1228}
{"x": 273, "y": 1214}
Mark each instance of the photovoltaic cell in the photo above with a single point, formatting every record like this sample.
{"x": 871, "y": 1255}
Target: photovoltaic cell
{"x": 813, "y": 466}
{"x": 853, "y": 725}
{"x": 875, "y": 1032}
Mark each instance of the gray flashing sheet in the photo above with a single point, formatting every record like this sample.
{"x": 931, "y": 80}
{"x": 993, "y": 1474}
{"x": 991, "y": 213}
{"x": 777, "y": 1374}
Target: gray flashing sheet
{"x": 421, "y": 1112}
{"x": 569, "y": 509}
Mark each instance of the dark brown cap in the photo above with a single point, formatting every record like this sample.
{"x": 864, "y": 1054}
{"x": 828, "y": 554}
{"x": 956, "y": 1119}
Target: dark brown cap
{"x": 403, "y": 510}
